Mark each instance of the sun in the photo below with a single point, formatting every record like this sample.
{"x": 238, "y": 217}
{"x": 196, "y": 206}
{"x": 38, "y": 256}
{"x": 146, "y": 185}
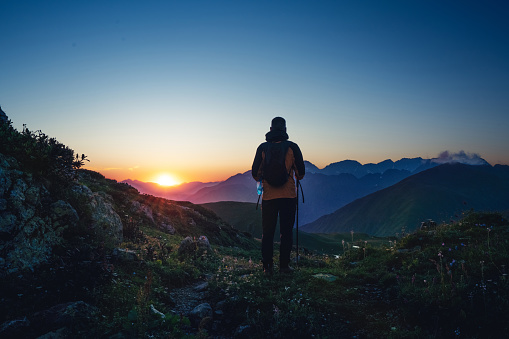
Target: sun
{"x": 166, "y": 180}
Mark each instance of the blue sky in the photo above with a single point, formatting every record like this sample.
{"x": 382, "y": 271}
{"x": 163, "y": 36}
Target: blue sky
{"x": 189, "y": 87}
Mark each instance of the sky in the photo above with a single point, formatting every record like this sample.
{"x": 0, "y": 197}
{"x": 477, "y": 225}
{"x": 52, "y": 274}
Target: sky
{"x": 189, "y": 88}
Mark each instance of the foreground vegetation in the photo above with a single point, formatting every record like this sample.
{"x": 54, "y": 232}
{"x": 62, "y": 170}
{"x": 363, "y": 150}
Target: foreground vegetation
{"x": 447, "y": 282}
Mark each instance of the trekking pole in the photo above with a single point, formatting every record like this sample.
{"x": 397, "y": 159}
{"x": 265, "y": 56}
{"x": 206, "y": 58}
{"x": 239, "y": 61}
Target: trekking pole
{"x": 297, "y": 217}
{"x": 297, "y": 223}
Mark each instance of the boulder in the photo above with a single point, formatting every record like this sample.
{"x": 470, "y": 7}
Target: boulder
{"x": 203, "y": 243}
{"x": 187, "y": 247}
{"x": 200, "y": 312}
{"x": 168, "y": 227}
{"x": 104, "y": 220}
{"x": 190, "y": 246}
{"x": 139, "y": 208}
{"x": 121, "y": 254}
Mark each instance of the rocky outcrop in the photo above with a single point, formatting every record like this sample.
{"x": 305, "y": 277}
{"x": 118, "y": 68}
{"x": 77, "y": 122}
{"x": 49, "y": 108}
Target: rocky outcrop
{"x": 103, "y": 219}
{"x": 30, "y": 222}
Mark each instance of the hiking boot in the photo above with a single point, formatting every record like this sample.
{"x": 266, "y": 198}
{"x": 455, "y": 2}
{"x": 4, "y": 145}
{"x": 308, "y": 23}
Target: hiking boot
{"x": 286, "y": 269}
{"x": 268, "y": 270}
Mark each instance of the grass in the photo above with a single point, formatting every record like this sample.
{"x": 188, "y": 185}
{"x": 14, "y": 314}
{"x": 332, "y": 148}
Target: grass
{"x": 446, "y": 282}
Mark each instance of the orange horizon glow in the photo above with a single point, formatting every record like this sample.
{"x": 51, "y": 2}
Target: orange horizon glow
{"x": 165, "y": 179}
{"x": 175, "y": 177}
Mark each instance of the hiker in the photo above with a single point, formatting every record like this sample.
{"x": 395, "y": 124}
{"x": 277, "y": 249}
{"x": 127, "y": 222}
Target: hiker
{"x": 279, "y": 195}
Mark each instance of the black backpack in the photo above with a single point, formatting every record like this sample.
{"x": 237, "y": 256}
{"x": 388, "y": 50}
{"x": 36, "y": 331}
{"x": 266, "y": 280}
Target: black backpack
{"x": 274, "y": 167}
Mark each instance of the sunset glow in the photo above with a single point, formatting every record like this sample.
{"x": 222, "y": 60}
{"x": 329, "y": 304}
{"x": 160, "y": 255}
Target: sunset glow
{"x": 166, "y": 180}
{"x": 198, "y": 83}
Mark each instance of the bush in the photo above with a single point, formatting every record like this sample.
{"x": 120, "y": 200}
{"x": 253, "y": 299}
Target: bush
{"x": 40, "y": 155}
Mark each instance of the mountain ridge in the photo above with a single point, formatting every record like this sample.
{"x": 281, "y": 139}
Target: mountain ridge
{"x": 441, "y": 193}
{"x": 326, "y": 189}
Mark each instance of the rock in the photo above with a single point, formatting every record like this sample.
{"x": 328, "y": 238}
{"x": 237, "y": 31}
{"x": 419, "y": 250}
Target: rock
{"x": 167, "y": 227}
{"x": 63, "y": 214}
{"x": 199, "y": 313}
{"x": 121, "y": 254}
{"x": 187, "y": 247}
{"x": 203, "y": 243}
{"x": 14, "y": 328}
{"x": 17, "y": 198}
{"x": 325, "y": 276}
{"x": 7, "y": 224}
{"x": 33, "y": 195}
{"x": 104, "y": 220}
{"x": 201, "y": 287}
{"x": 3, "y": 204}
{"x": 156, "y": 312}
{"x": 139, "y": 208}
{"x": 220, "y": 304}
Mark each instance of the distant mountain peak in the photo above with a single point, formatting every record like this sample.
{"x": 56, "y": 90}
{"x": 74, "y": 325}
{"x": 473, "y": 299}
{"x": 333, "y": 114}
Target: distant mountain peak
{"x": 460, "y": 157}
{"x": 413, "y": 165}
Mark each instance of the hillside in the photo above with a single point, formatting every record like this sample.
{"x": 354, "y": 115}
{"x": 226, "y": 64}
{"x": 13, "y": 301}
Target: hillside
{"x": 241, "y": 215}
{"x": 246, "y": 218}
{"x": 442, "y": 193}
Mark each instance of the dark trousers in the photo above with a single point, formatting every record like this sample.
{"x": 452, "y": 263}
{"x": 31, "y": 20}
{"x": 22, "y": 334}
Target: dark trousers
{"x": 285, "y": 208}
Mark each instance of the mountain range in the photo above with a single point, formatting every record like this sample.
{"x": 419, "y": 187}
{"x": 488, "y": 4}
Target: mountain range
{"x": 325, "y": 190}
{"x": 441, "y": 193}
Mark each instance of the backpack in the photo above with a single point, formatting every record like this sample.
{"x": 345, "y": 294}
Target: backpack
{"x": 274, "y": 166}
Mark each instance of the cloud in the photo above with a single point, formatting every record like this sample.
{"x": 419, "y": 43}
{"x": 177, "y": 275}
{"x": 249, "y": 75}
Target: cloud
{"x": 133, "y": 168}
{"x": 460, "y": 157}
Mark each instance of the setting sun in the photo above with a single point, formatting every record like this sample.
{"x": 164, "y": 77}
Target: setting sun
{"x": 166, "y": 180}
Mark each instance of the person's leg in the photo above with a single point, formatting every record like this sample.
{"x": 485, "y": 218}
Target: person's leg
{"x": 286, "y": 221}
{"x": 269, "y": 221}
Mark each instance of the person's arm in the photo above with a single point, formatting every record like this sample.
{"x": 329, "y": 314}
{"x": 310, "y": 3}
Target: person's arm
{"x": 300, "y": 169}
{"x": 257, "y": 163}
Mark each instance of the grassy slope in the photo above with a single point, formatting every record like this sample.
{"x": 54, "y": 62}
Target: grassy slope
{"x": 242, "y": 215}
{"x": 403, "y": 291}
{"x": 246, "y": 218}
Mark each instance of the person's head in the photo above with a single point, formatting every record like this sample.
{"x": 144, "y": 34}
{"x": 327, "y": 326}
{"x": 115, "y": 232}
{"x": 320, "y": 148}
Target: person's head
{"x": 278, "y": 124}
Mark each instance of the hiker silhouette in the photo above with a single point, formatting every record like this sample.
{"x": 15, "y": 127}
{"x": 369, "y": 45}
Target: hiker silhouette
{"x": 278, "y": 163}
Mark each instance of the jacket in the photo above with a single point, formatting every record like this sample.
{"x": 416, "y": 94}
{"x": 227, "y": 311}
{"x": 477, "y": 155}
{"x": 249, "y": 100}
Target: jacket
{"x": 294, "y": 164}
